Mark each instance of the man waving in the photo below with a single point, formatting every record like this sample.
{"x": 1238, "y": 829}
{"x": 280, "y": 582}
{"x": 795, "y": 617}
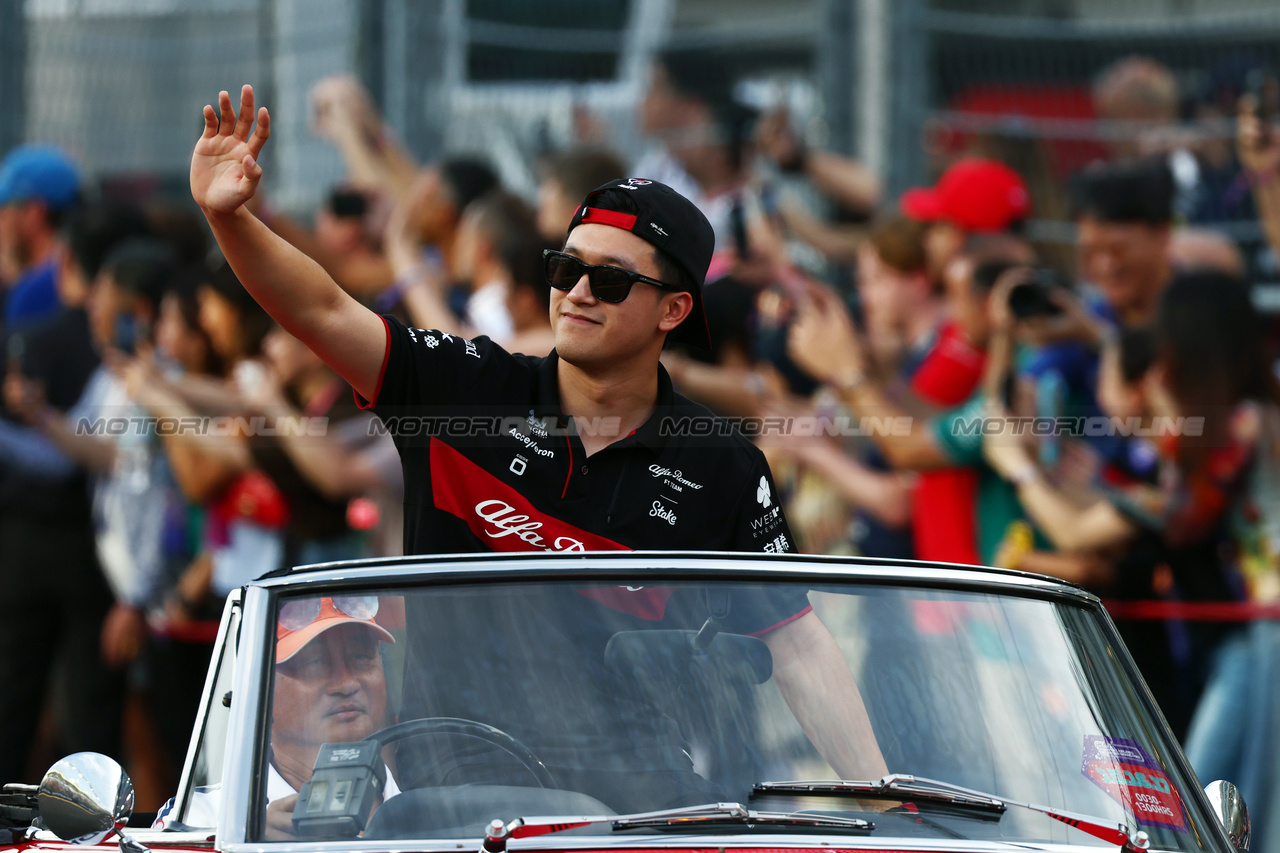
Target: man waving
{"x": 586, "y": 449}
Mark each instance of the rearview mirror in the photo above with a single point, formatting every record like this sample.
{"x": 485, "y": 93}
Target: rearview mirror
{"x": 1231, "y": 812}
{"x": 85, "y": 798}
{"x": 667, "y": 654}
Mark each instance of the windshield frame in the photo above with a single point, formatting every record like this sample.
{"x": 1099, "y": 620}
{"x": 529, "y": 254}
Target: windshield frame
{"x": 225, "y": 646}
{"x": 246, "y": 736}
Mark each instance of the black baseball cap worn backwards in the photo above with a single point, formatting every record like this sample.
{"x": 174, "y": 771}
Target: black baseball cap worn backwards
{"x": 674, "y": 224}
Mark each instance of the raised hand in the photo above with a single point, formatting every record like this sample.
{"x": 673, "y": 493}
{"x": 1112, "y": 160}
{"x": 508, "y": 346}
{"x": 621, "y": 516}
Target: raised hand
{"x": 224, "y": 166}
{"x": 823, "y": 341}
{"x": 339, "y": 106}
{"x": 779, "y": 141}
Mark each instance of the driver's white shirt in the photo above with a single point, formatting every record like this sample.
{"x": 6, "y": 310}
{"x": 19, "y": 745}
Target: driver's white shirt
{"x": 202, "y": 809}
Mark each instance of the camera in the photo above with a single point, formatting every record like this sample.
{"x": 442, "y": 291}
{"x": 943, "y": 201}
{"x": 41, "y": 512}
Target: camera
{"x": 1029, "y": 298}
{"x": 1034, "y": 298}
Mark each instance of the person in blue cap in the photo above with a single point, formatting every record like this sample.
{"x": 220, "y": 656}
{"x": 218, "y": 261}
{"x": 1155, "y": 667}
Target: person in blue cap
{"x": 38, "y": 186}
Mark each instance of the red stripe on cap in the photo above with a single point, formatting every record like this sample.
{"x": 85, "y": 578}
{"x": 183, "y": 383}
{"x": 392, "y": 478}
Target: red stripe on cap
{"x": 625, "y": 221}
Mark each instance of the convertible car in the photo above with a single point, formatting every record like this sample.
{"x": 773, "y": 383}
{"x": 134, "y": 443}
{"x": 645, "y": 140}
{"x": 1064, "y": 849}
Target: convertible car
{"x": 645, "y": 701}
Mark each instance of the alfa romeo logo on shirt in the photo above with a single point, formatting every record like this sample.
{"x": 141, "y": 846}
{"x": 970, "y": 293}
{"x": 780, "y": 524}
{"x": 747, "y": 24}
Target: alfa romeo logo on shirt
{"x": 762, "y": 493}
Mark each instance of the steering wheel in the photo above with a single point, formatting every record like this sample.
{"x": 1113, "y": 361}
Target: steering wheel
{"x": 459, "y": 727}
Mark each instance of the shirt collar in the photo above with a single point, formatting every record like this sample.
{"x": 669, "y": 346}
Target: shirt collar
{"x": 547, "y": 399}
{"x": 277, "y": 787}
{"x": 650, "y": 432}
{"x": 547, "y": 402}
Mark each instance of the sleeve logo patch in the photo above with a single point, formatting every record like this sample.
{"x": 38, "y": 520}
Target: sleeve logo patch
{"x": 1131, "y": 777}
{"x": 762, "y": 493}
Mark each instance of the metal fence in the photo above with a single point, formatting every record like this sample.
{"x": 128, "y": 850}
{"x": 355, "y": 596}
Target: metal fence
{"x": 120, "y": 83}
{"x": 904, "y": 83}
{"x": 1016, "y": 80}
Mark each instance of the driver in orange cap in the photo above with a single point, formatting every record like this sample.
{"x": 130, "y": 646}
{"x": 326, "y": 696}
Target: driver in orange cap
{"x": 329, "y": 688}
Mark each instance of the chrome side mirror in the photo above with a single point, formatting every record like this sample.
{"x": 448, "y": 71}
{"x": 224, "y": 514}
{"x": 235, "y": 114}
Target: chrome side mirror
{"x": 1231, "y": 812}
{"x": 85, "y": 798}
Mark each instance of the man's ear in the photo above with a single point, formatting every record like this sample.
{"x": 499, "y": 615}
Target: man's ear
{"x": 33, "y": 215}
{"x": 675, "y": 308}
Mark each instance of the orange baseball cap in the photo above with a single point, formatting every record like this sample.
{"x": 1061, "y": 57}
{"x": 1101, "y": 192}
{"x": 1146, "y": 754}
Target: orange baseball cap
{"x": 303, "y": 619}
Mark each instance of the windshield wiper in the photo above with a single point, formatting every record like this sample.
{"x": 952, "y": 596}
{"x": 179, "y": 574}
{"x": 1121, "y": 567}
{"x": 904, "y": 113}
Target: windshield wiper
{"x": 898, "y": 785}
{"x": 497, "y": 834}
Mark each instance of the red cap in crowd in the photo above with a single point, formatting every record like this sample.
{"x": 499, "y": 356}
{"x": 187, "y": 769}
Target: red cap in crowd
{"x": 974, "y": 194}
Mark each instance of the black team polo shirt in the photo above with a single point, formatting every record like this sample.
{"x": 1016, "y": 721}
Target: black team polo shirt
{"x": 491, "y": 464}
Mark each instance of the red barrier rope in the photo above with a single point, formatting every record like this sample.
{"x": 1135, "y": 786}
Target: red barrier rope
{"x": 1191, "y": 611}
{"x": 201, "y": 631}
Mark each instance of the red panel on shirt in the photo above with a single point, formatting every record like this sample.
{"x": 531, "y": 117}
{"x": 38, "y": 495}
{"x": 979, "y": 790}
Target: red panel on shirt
{"x": 943, "y": 511}
{"x": 497, "y": 514}
{"x": 503, "y": 519}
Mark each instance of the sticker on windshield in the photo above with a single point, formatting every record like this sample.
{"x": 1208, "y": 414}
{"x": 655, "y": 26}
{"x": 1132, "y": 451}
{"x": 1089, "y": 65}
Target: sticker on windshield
{"x": 1133, "y": 778}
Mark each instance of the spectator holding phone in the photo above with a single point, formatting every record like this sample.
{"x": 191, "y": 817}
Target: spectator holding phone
{"x": 964, "y": 522}
{"x": 1210, "y": 373}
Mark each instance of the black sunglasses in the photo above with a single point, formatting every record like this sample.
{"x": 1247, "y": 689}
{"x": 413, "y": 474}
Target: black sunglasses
{"x": 608, "y": 284}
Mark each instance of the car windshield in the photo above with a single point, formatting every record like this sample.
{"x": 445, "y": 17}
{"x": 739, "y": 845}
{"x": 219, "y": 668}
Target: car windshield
{"x": 506, "y": 700}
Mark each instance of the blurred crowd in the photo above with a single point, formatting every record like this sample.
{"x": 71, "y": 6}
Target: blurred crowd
{"x": 927, "y": 381}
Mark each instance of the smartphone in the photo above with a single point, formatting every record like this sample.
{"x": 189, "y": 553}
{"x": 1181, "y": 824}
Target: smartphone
{"x": 127, "y": 333}
{"x": 348, "y": 204}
